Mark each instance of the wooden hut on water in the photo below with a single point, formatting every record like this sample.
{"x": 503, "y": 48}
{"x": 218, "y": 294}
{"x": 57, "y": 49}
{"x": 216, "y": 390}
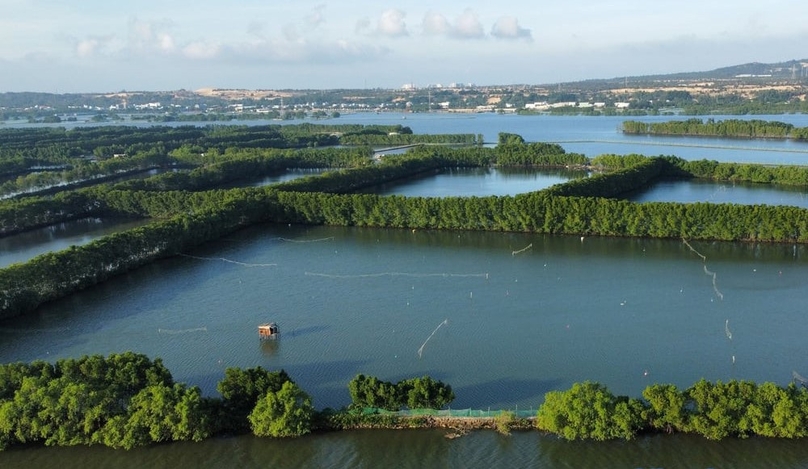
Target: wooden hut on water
{"x": 268, "y": 330}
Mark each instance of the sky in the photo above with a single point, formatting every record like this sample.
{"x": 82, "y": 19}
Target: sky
{"x": 59, "y": 46}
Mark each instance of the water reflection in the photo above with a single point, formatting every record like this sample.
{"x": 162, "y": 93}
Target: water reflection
{"x": 25, "y": 246}
{"x": 270, "y": 347}
{"x": 279, "y": 177}
{"x": 426, "y": 448}
{"x": 697, "y": 190}
{"x": 466, "y": 182}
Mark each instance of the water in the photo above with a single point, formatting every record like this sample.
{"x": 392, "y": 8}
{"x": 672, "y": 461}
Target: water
{"x": 428, "y": 448}
{"x": 593, "y": 136}
{"x": 479, "y": 182}
{"x": 284, "y": 176}
{"x": 696, "y": 190}
{"x": 25, "y": 246}
{"x": 520, "y": 322}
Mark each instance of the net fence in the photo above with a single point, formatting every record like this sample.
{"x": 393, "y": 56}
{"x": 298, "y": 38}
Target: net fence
{"x": 458, "y": 413}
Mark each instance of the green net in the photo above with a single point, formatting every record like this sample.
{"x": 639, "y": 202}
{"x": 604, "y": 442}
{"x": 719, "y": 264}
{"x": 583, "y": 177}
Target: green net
{"x": 459, "y": 413}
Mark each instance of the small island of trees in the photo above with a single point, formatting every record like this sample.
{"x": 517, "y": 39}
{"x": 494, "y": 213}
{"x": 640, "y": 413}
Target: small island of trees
{"x": 731, "y": 128}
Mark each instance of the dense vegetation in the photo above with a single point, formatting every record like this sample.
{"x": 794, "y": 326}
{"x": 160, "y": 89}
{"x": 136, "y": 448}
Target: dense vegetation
{"x": 127, "y": 400}
{"x": 713, "y": 410}
{"x": 734, "y": 128}
{"x": 415, "y": 393}
{"x": 38, "y": 159}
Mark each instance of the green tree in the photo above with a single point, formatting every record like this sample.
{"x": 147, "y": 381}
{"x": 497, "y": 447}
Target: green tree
{"x": 667, "y": 410}
{"x": 425, "y": 393}
{"x": 369, "y": 391}
{"x": 160, "y": 413}
{"x": 286, "y": 413}
{"x": 241, "y": 388}
{"x": 589, "y": 411}
{"x": 505, "y": 138}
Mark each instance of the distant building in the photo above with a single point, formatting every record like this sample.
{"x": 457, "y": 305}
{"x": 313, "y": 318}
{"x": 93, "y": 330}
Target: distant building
{"x": 564, "y": 104}
{"x": 538, "y": 106}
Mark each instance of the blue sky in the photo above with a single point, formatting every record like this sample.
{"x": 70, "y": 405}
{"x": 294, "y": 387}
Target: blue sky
{"x": 102, "y": 46}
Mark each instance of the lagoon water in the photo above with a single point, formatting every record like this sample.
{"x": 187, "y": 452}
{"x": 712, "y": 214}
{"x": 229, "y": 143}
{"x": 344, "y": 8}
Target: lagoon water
{"x": 525, "y": 314}
{"x": 23, "y": 247}
{"x": 282, "y": 176}
{"x": 689, "y": 191}
{"x": 477, "y": 182}
{"x": 593, "y": 136}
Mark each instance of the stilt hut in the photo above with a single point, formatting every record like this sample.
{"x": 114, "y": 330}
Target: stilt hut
{"x": 268, "y": 330}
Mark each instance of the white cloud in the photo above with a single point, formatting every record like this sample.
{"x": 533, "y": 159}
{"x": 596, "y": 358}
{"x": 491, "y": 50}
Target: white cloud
{"x": 435, "y": 24}
{"x": 392, "y": 23}
{"x": 201, "y": 51}
{"x": 468, "y": 26}
{"x": 507, "y": 27}
{"x": 93, "y": 46}
{"x": 87, "y": 47}
{"x": 166, "y": 42}
{"x": 150, "y": 36}
{"x": 283, "y": 51}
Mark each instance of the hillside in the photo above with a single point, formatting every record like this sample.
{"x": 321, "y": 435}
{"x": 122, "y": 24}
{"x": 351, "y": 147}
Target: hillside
{"x": 752, "y": 88}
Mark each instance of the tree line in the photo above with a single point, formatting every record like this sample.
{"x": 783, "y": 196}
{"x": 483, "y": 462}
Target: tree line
{"x": 714, "y": 410}
{"x": 85, "y": 150}
{"x": 127, "y": 400}
{"x": 415, "y": 393}
{"x": 734, "y": 128}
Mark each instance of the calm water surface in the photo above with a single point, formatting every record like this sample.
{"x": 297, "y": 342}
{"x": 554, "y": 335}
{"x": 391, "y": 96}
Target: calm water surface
{"x": 695, "y": 190}
{"x": 428, "y": 449}
{"x": 287, "y": 175}
{"x": 479, "y": 182}
{"x": 25, "y": 246}
{"x": 591, "y": 136}
{"x": 525, "y": 314}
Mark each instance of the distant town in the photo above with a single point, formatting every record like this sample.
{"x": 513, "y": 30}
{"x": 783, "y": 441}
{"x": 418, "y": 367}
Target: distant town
{"x": 743, "y": 89}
